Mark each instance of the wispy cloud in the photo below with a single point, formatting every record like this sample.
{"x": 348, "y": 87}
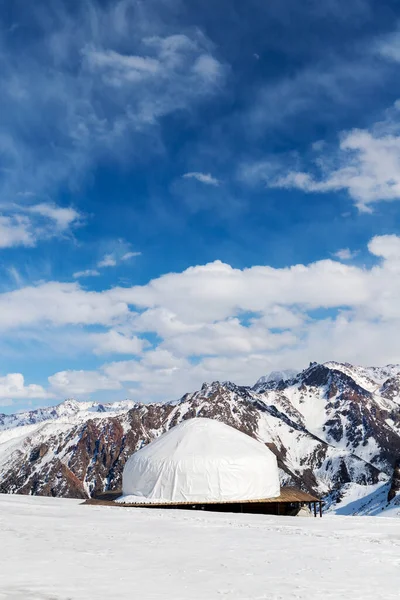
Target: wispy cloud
{"x": 63, "y": 217}
{"x": 15, "y": 275}
{"x": 206, "y": 178}
{"x": 346, "y": 254}
{"x": 119, "y": 254}
{"x": 27, "y": 225}
{"x": 129, "y": 255}
{"x": 16, "y": 230}
{"x": 319, "y": 92}
{"x": 86, "y": 273}
{"x": 104, "y": 78}
{"x": 388, "y": 46}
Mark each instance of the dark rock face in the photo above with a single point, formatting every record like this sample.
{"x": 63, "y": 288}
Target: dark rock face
{"x": 391, "y": 388}
{"x": 324, "y": 427}
{"x": 395, "y": 483}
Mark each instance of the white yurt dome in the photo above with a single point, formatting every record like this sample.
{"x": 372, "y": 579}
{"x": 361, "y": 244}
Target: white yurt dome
{"x": 201, "y": 460}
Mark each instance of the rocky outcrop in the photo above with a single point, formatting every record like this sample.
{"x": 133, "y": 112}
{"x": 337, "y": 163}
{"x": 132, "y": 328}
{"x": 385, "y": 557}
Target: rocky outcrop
{"x": 395, "y": 482}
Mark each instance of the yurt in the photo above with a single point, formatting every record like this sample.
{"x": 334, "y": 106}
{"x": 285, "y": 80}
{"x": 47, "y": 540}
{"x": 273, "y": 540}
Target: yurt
{"x": 201, "y": 461}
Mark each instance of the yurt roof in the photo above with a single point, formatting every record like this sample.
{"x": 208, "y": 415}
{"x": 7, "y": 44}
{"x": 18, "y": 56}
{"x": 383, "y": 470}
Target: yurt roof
{"x": 201, "y": 460}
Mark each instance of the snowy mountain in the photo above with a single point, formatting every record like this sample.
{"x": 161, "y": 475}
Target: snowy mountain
{"x": 334, "y": 428}
{"x": 68, "y": 408}
{"x": 275, "y": 377}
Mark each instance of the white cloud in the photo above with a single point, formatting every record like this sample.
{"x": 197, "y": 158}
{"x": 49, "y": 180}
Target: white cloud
{"x": 389, "y": 46}
{"x": 118, "y": 68}
{"x": 345, "y": 254}
{"x": 15, "y": 275}
{"x": 63, "y": 217}
{"x": 366, "y": 165}
{"x": 217, "y": 322}
{"x": 111, "y": 259}
{"x": 204, "y": 295}
{"x": 228, "y": 337}
{"x": 12, "y": 386}
{"x": 108, "y": 260}
{"x": 386, "y": 246}
{"x": 113, "y": 342}
{"x": 81, "y": 382}
{"x": 130, "y": 69}
{"x": 59, "y": 304}
{"x": 16, "y": 231}
{"x": 162, "y": 361}
{"x": 217, "y": 291}
{"x": 329, "y": 86}
{"x": 208, "y": 68}
{"x": 129, "y": 255}
{"x": 86, "y": 273}
{"x": 206, "y": 178}
{"x": 27, "y": 225}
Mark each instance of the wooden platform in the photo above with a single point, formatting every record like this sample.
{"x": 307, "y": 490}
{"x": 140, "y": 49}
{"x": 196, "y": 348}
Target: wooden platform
{"x": 289, "y": 498}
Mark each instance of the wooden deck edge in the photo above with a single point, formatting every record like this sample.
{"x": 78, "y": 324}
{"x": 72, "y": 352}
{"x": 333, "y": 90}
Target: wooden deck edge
{"x": 279, "y": 500}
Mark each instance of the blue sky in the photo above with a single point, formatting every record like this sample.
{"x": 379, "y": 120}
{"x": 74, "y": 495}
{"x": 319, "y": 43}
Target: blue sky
{"x": 194, "y": 191}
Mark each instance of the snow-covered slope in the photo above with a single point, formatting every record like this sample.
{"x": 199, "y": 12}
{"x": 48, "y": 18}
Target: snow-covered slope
{"x": 359, "y": 500}
{"x": 59, "y": 549}
{"x": 330, "y": 426}
{"x": 370, "y": 378}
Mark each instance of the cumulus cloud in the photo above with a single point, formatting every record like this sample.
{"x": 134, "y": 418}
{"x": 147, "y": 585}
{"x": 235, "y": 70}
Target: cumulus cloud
{"x": 59, "y": 304}
{"x": 206, "y": 178}
{"x": 208, "y": 294}
{"x": 228, "y": 337}
{"x": 114, "y": 342}
{"x": 12, "y": 387}
{"x": 218, "y": 322}
{"x": 386, "y": 246}
{"x": 81, "y": 382}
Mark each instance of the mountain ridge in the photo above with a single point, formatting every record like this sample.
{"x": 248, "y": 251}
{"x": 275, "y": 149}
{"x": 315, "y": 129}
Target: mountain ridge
{"x": 332, "y": 427}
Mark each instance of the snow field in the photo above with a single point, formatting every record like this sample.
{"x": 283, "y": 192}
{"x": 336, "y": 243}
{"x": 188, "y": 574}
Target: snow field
{"x": 58, "y": 549}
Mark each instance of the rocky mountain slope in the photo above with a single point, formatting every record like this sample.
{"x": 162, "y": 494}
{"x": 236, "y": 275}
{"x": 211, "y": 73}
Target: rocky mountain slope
{"x": 334, "y": 428}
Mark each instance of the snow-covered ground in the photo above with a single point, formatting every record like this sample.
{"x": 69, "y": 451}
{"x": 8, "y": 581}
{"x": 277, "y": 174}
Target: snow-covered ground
{"x": 58, "y": 549}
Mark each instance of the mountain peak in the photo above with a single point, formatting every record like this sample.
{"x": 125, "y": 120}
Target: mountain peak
{"x": 274, "y": 378}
